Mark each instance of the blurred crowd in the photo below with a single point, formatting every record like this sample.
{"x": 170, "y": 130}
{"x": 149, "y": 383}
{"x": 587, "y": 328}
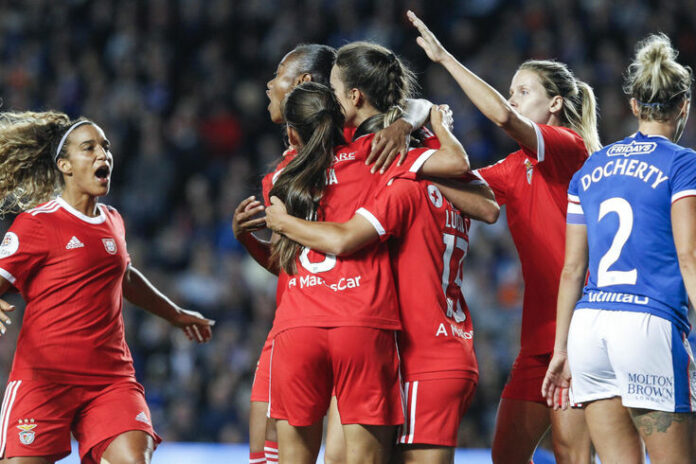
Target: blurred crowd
{"x": 178, "y": 86}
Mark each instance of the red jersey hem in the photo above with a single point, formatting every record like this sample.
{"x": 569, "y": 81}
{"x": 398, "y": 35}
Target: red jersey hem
{"x": 67, "y": 378}
{"x": 445, "y": 374}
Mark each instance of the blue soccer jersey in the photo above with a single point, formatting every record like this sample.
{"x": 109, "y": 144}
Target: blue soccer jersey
{"x": 624, "y": 194}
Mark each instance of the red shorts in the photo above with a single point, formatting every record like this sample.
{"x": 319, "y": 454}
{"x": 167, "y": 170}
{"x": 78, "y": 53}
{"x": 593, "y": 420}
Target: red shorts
{"x": 361, "y": 363}
{"x": 526, "y": 377}
{"x": 259, "y": 389}
{"x": 38, "y": 416}
{"x": 434, "y": 410}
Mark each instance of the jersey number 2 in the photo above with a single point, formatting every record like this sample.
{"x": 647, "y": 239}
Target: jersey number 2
{"x": 605, "y": 277}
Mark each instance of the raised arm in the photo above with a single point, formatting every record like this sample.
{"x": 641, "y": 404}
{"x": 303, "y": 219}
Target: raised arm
{"x": 474, "y": 200}
{"x": 139, "y": 291}
{"x": 450, "y": 160}
{"x": 326, "y": 237}
{"x": 557, "y": 379}
{"x": 488, "y": 100}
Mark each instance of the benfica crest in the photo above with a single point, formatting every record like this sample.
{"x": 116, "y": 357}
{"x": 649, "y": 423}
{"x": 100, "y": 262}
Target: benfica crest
{"x": 530, "y": 170}
{"x": 26, "y": 431}
{"x": 109, "y": 245}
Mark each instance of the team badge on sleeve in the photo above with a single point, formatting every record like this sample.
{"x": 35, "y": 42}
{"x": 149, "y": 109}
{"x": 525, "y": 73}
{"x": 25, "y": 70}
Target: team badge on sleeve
{"x": 10, "y": 245}
{"x": 110, "y": 245}
{"x": 530, "y": 170}
{"x": 26, "y": 431}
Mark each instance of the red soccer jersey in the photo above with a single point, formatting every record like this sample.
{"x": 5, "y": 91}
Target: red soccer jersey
{"x": 69, "y": 268}
{"x": 355, "y": 290}
{"x": 535, "y": 188}
{"x": 437, "y": 334}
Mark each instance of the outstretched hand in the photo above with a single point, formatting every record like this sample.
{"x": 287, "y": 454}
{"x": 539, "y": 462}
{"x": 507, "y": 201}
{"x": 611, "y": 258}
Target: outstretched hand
{"x": 427, "y": 40}
{"x": 243, "y": 221}
{"x": 275, "y": 215}
{"x": 556, "y": 385}
{"x": 196, "y": 327}
{"x": 5, "y": 307}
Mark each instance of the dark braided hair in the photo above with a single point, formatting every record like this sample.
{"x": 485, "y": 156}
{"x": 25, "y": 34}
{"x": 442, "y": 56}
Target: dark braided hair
{"x": 379, "y": 74}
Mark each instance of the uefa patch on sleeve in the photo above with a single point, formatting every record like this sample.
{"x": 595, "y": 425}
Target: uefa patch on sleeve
{"x": 10, "y": 245}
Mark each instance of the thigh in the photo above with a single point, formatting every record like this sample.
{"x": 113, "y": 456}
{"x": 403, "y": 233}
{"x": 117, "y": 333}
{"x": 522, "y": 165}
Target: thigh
{"x": 298, "y": 445}
{"x": 36, "y": 418}
{"x": 335, "y": 447}
{"x": 666, "y": 435}
{"x": 368, "y": 444}
{"x": 593, "y": 374}
{"x": 526, "y": 376}
{"x": 434, "y": 410}
{"x": 612, "y": 432}
{"x": 519, "y": 426}
{"x": 111, "y": 411}
{"x": 570, "y": 436}
{"x": 260, "y": 386}
{"x": 129, "y": 447}
{"x": 301, "y": 376}
{"x": 366, "y": 375}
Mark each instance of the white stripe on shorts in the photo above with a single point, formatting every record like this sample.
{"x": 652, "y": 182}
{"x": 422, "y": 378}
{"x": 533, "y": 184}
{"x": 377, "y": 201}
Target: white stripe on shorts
{"x": 410, "y": 425}
{"x": 7, "y": 402}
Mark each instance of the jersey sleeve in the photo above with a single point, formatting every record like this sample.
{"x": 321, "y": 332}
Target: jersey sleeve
{"x": 683, "y": 176}
{"x": 415, "y": 159}
{"x": 391, "y": 211}
{"x": 497, "y": 177}
{"x": 575, "y": 214}
{"x": 23, "y": 249}
{"x": 560, "y": 151}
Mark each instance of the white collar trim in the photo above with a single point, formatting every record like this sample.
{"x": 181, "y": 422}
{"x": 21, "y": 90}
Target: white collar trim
{"x": 91, "y": 220}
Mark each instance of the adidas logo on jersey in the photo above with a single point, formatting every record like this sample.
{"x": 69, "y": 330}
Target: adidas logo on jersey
{"x": 142, "y": 417}
{"x": 74, "y": 243}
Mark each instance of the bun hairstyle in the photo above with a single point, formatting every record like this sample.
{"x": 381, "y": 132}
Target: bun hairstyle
{"x": 381, "y": 76}
{"x": 314, "y": 59}
{"x": 655, "y": 79}
{"x": 29, "y": 143}
{"x": 579, "y": 110}
{"x": 314, "y": 112}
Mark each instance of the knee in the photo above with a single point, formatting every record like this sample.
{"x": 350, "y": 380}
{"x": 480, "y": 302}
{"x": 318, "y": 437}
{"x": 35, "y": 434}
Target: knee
{"x": 569, "y": 452}
{"x": 333, "y": 458}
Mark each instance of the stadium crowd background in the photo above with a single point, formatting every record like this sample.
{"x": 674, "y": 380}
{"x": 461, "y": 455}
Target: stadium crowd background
{"x": 179, "y": 88}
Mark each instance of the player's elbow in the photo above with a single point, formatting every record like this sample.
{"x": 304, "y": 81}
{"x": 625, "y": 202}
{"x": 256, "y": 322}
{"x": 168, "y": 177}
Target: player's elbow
{"x": 458, "y": 162}
{"x": 687, "y": 259}
{"x": 504, "y": 116}
{"x": 490, "y": 213}
{"x": 573, "y": 272}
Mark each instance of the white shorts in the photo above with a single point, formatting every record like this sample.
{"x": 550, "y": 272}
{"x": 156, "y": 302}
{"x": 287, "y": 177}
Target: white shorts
{"x": 644, "y": 359}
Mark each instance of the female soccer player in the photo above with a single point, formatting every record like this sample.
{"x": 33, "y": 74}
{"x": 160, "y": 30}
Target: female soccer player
{"x": 305, "y": 63}
{"x": 347, "y": 306}
{"x": 438, "y": 362}
{"x": 552, "y": 116}
{"x": 632, "y": 214}
{"x": 72, "y": 370}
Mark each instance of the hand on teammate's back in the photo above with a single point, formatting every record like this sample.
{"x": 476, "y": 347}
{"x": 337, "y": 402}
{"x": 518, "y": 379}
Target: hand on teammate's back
{"x": 389, "y": 143}
{"x": 196, "y": 327}
{"x": 243, "y": 221}
{"x": 274, "y": 214}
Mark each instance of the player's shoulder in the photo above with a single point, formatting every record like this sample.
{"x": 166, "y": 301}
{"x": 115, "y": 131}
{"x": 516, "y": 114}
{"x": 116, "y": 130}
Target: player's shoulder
{"x": 44, "y": 212}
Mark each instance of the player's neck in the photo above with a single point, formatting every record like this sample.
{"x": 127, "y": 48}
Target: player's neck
{"x": 363, "y": 113}
{"x": 86, "y": 204}
{"x": 652, "y": 128}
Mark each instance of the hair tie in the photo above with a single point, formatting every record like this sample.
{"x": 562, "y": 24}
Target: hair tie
{"x": 65, "y": 137}
{"x": 650, "y": 105}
